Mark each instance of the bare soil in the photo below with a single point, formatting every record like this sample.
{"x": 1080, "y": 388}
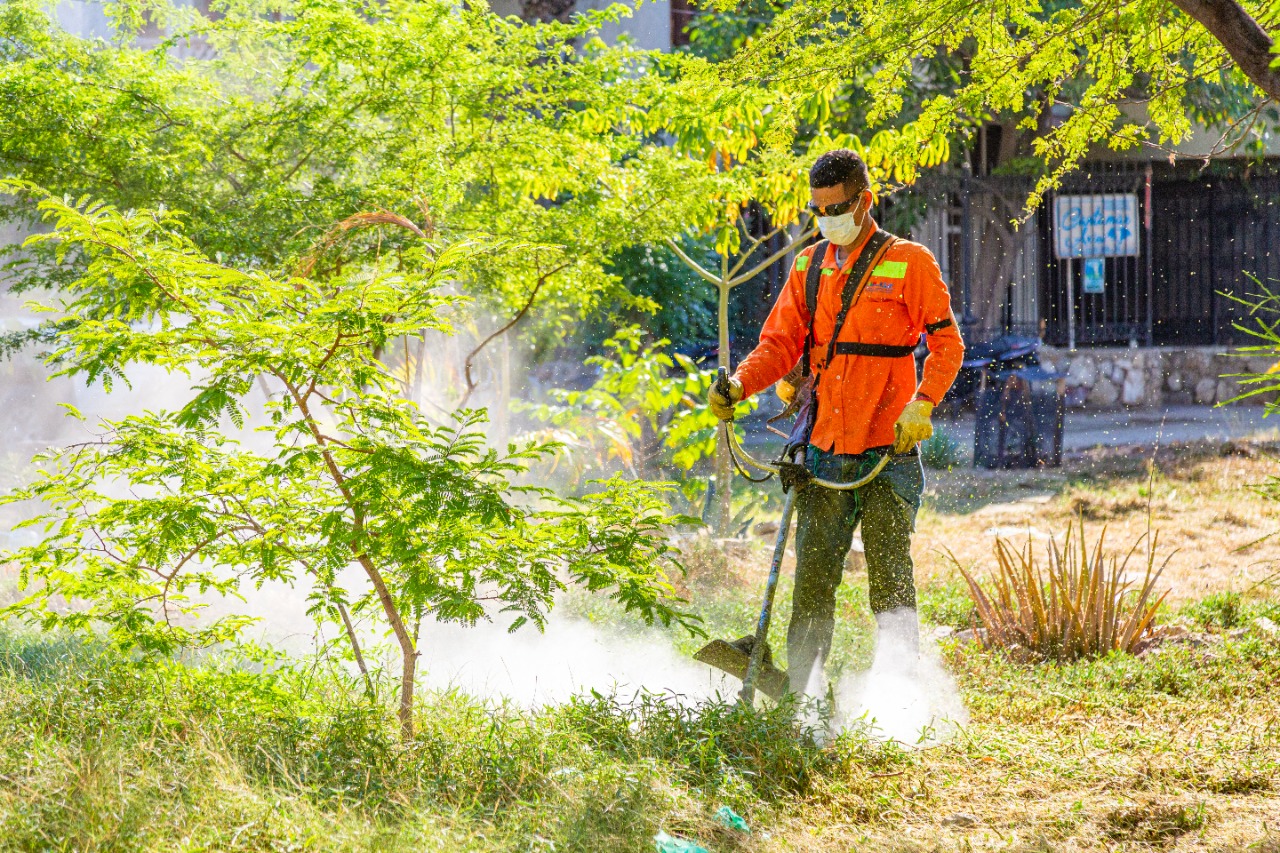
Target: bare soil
{"x": 1214, "y": 528}
{"x": 1202, "y": 503}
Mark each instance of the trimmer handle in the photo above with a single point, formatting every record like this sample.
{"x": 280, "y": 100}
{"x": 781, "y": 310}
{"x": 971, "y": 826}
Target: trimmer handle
{"x": 723, "y": 388}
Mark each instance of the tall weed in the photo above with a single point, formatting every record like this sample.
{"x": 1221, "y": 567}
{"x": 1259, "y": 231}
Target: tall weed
{"x": 1079, "y": 602}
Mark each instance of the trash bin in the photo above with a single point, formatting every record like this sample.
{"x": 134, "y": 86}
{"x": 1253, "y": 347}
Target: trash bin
{"x": 1009, "y": 352}
{"x": 1020, "y": 415}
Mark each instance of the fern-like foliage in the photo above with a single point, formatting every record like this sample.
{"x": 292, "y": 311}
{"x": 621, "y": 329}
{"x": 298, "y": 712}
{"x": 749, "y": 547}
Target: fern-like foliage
{"x": 335, "y": 476}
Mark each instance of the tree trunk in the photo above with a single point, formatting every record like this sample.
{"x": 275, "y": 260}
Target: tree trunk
{"x": 994, "y": 258}
{"x": 408, "y": 670}
{"x": 502, "y": 417}
{"x": 408, "y": 645}
{"x": 355, "y": 650}
{"x": 1243, "y": 37}
{"x": 724, "y": 468}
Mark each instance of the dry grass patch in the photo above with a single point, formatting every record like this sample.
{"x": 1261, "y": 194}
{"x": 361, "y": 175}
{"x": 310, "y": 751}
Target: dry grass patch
{"x": 1154, "y": 821}
{"x": 1119, "y": 753}
{"x": 1223, "y": 534}
{"x": 1094, "y": 507}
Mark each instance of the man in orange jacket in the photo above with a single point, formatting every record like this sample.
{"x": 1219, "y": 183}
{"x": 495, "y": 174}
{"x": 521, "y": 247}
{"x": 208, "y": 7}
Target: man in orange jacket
{"x": 860, "y": 341}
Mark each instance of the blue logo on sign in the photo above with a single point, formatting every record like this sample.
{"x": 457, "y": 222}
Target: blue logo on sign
{"x": 1095, "y": 226}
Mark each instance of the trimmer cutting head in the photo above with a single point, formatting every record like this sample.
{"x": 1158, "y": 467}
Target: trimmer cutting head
{"x": 733, "y": 659}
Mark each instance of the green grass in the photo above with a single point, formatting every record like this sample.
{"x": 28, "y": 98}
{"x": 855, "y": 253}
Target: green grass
{"x": 1227, "y": 610}
{"x": 98, "y": 752}
{"x": 946, "y": 604}
{"x": 102, "y": 753}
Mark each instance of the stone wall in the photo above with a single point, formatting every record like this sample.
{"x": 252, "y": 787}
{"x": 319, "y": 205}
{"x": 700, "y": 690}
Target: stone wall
{"x": 1146, "y": 378}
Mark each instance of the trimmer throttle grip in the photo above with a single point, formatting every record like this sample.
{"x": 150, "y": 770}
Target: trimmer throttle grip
{"x": 723, "y": 388}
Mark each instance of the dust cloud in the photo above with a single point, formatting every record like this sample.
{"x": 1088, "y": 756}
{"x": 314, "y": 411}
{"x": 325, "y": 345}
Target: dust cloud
{"x": 571, "y": 656}
{"x": 903, "y": 697}
{"x": 528, "y": 667}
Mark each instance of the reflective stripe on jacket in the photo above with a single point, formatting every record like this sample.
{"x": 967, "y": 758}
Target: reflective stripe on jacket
{"x": 860, "y": 396}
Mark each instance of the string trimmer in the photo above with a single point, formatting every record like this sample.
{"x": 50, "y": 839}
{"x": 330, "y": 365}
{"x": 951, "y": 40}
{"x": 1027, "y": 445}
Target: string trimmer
{"x": 749, "y": 658}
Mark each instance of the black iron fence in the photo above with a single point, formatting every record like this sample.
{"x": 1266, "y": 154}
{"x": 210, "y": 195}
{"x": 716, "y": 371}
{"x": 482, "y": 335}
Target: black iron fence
{"x": 1123, "y": 253}
{"x": 1128, "y": 253}
{"x": 1212, "y": 233}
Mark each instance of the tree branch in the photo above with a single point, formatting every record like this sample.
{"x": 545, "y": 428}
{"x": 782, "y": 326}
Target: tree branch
{"x": 520, "y": 315}
{"x": 1242, "y": 36}
{"x": 691, "y": 263}
{"x": 767, "y": 262}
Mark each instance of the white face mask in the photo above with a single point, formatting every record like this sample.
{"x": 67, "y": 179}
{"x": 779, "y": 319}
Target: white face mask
{"x": 841, "y": 230}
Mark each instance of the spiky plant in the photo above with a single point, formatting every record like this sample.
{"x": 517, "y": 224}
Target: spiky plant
{"x": 1077, "y": 603}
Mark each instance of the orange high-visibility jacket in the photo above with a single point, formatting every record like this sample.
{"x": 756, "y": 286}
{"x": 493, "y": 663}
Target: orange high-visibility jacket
{"x": 860, "y": 396}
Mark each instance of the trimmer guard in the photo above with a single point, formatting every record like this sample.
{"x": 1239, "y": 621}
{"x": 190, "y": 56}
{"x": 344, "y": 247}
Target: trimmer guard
{"x": 733, "y": 659}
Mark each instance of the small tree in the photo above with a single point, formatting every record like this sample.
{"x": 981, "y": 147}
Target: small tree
{"x": 644, "y": 411}
{"x": 737, "y": 267}
{"x": 351, "y": 473}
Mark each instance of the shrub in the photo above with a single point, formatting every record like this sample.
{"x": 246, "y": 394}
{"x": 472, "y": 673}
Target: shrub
{"x": 1078, "y": 604}
{"x": 941, "y": 451}
{"x": 644, "y": 412}
{"x": 1221, "y": 610}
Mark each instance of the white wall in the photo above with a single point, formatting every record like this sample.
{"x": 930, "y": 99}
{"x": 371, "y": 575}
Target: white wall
{"x": 649, "y": 25}
{"x": 83, "y": 18}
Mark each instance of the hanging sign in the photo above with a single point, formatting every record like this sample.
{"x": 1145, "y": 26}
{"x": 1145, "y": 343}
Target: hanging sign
{"x": 1095, "y": 226}
{"x": 1094, "y": 278}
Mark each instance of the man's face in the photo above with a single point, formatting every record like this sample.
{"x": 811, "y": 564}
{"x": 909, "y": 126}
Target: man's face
{"x": 827, "y": 197}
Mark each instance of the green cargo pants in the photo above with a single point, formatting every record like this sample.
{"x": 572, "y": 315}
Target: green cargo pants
{"x": 826, "y": 519}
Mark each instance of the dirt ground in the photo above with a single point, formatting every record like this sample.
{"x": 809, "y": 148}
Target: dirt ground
{"x": 1214, "y": 527}
{"x": 1204, "y": 504}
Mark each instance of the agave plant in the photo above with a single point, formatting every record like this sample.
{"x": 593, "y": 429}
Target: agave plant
{"x": 1080, "y": 603}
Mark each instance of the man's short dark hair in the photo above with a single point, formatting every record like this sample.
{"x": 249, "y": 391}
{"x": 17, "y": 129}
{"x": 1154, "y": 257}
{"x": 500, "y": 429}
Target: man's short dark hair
{"x": 841, "y": 167}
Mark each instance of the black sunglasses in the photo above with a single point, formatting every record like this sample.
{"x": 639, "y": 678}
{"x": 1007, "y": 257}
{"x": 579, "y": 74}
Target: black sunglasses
{"x": 838, "y": 209}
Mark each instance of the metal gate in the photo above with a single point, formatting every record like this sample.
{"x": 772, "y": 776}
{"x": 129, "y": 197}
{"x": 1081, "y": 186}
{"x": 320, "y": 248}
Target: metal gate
{"x": 1162, "y": 250}
{"x": 1096, "y": 242}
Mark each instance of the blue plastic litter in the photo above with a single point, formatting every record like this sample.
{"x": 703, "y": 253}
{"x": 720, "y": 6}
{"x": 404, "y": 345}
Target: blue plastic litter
{"x": 664, "y": 843}
{"x": 732, "y": 819}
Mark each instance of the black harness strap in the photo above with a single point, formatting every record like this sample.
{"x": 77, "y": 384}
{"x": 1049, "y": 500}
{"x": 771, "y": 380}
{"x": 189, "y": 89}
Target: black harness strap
{"x": 871, "y": 253}
{"x": 877, "y": 244}
{"x": 873, "y": 350}
{"x": 812, "y": 281}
